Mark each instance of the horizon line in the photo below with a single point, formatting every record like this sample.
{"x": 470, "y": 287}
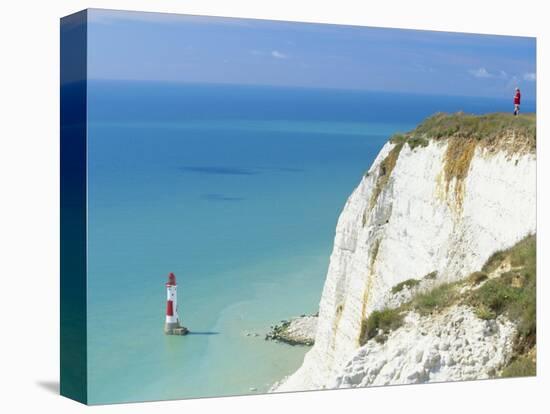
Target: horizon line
{"x": 325, "y": 88}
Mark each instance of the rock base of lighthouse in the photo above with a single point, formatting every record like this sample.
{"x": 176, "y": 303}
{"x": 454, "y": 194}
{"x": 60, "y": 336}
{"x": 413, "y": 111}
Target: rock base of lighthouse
{"x": 175, "y": 329}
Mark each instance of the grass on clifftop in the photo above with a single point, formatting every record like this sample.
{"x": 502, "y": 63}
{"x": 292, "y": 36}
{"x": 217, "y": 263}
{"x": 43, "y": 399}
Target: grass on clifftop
{"x": 492, "y": 130}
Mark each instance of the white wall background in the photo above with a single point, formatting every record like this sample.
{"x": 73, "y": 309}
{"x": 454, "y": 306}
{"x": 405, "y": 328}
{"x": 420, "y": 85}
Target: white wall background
{"x": 29, "y": 207}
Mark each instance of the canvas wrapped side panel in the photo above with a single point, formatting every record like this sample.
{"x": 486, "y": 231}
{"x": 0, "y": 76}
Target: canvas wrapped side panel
{"x": 73, "y": 368}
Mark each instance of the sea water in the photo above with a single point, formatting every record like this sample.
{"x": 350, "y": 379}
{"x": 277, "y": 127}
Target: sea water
{"x": 237, "y": 190}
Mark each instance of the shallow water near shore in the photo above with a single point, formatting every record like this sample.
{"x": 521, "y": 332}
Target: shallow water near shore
{"x": 240, "y": 199}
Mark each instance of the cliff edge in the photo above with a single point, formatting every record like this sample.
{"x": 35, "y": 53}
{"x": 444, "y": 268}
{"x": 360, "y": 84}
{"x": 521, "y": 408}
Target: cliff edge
{"x": 434, "y": 207}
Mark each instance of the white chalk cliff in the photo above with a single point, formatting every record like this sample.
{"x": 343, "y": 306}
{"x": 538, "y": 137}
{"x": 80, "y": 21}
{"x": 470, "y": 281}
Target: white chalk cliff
{"x": 408, "y": 217}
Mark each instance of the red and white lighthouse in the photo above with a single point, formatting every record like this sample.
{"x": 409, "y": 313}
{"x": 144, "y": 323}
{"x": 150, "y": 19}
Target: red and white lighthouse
{"x": 172, "y": 325}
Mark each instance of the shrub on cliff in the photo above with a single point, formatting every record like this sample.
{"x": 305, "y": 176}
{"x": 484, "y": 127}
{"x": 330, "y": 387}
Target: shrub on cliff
{"x": 409, "y": 283}
{"x": 514, "y": 292}
{"x": 477, "y": 277}
{"x": 385, "y": 320}
{"x": 523, "y": 366}
{"x": 431, "y": 275}
{"x": 440, "y": 297}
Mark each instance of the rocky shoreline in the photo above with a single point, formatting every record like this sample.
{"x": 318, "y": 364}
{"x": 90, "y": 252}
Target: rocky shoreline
{"x": 296, "y": 331}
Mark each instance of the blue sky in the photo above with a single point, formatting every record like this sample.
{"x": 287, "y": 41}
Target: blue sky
{"x": 169, "y": 47}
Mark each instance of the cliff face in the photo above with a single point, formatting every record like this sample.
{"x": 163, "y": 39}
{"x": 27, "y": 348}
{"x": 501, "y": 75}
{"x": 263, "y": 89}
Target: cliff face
{"x": 442, "y": 205}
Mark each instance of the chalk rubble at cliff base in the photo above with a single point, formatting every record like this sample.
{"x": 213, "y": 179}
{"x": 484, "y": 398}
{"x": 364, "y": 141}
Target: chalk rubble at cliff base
{"x": 451, "y": 346}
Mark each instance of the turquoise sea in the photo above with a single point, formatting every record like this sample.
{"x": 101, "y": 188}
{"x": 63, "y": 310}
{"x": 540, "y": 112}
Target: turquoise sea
{"x": 237, "y": 190}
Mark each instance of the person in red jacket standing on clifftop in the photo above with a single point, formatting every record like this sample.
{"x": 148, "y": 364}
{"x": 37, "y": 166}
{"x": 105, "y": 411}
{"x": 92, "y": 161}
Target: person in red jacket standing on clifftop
{"x": 517, "y": 101}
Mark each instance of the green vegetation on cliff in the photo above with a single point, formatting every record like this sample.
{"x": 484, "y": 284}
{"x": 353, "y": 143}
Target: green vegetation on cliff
{"x": 409, "y": 283}
{"x": 521, "y": 366}
{"x": 513, "y": 293}
{"x": 516, "y": 133}
{"x": 506, "y": 285}
{"x": 380, "y": 323}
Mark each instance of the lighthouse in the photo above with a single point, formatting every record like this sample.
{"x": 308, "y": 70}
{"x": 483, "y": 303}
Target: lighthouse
{"x": 172, "y": 325}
